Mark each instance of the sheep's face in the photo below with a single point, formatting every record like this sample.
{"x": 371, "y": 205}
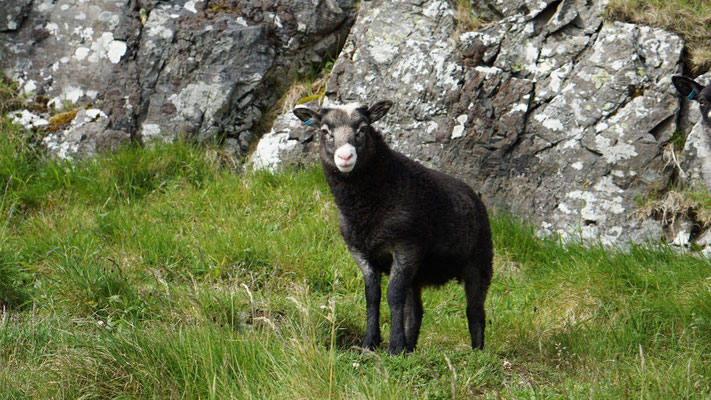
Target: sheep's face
{"x": 344, "y": 131}
{"x": 693, "y": 90}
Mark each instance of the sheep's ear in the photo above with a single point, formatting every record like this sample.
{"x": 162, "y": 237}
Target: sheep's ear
{"x": 378, "y": 110}
{"x": 687, "y": 87}
{"x": 309, "y": 116}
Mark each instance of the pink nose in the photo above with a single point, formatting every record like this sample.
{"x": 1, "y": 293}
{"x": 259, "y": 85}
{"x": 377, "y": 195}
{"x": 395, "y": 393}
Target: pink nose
{"x": 346, "y": 158}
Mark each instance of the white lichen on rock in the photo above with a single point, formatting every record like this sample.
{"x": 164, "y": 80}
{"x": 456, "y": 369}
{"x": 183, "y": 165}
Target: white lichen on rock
{"x": 28, "y": 119}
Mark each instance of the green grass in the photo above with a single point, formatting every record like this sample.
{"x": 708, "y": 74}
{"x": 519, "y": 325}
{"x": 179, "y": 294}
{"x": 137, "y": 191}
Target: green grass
{"x": 161, "y": 274}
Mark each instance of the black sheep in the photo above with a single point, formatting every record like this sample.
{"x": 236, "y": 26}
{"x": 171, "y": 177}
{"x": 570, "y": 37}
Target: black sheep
{"x": 397, "y": 217}
{"x": 693, "y": 90}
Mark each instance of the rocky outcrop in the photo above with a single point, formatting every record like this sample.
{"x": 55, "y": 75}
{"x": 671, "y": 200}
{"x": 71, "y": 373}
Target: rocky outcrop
{"x": 550, "y": 111}
{"x": 158, "y": 70}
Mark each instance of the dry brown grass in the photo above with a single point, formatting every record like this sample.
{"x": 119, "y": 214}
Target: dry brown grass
{"x": 10, "y": 97}
{"x": 690, "y": 19}
{"x": 299, "y": 92}
{"x": 566, "y": 307}
{"x": 693, "y": 203}
{"x": 302, "y": 92}
{"x": 467, "y": 18}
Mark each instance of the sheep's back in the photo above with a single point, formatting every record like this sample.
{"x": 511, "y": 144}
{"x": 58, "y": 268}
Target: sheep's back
{"x": 409, "y": 203}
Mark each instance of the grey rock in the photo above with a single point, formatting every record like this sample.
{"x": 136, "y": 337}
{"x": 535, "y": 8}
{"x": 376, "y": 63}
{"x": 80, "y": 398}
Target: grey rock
{"x": 695, "y": 161}
{"x": 679, "y": 232}
{"x": 521, "y": 7}
{"x": 289, "y": 143}
{"x": 594, "y": 131}
{"x": 195, "y": 90}
{"x": 213, "y": 74}
{"x": 404, "y": 52}
{"x": 73, "y": 53}
{"x": 704, "y": 240}
{"x": 13, "y": 13}
{"x": 87, "y": 135}
{"x": 67, "y": 50}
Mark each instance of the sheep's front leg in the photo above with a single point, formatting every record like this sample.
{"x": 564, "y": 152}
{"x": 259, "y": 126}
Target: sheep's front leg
{"x": 405, "y": 264}
{"x": 372, "y": 301}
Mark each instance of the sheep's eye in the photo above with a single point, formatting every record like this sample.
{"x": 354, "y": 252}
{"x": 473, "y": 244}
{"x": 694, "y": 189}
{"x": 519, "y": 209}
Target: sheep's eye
{"x": 327, "y": 133}
{"x": 362, "y": 130}
{"x": 702, "y": 103}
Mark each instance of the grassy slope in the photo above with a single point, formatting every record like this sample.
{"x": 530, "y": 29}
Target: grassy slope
{"x": 157, "y": 274}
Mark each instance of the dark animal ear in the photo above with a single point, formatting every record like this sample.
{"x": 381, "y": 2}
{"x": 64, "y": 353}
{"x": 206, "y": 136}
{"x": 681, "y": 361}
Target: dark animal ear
{"x": 687, "y": 87}
{"x": 309, "y": 116}
{"x": 378, "y": 110}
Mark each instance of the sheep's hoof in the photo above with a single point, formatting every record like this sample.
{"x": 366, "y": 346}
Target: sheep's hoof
{"x": 371, "y": 344}
{"x": 395, "y": 350}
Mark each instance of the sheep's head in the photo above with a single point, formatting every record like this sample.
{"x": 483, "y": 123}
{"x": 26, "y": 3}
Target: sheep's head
{"x": 345, "y": 131}
{"x": 693, "y": 90}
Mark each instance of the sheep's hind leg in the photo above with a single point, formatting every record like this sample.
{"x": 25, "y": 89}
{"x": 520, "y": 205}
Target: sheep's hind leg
{"x": 413, "y": 317}
{"x": 476, "y": 316}
{"x": 397, "y": 293}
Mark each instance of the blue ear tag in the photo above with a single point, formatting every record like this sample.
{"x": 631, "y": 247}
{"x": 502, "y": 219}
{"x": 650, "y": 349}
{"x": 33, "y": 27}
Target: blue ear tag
{"x": 691, "y": 95}
{"x": 309, "y": 122}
